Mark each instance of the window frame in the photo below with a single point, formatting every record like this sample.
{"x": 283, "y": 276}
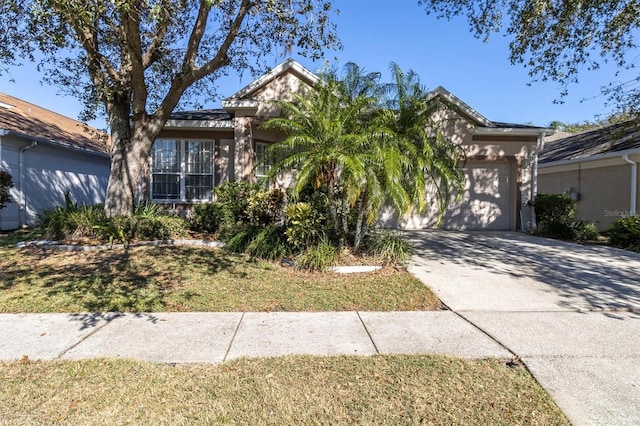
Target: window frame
{"x": 182, "y": 174}
{"x": 269, "y": 165}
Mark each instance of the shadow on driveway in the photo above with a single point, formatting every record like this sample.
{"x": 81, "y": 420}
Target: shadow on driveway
{"x": 590, "y": 277}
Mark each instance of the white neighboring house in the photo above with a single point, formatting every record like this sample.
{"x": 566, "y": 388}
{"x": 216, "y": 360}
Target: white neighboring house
{"x": 47, "y": 155}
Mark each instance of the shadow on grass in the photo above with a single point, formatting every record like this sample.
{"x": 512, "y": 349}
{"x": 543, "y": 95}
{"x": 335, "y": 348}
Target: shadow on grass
{"x": 105, "y": 282}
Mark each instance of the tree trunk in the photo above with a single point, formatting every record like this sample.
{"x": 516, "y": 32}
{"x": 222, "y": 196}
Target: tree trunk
{"x": 359, "y": 234}
{"x": 130, "y": 149}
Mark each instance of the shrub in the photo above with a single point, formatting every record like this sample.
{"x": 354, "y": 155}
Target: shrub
{"x": 89, "y": 221}
{"x": 270, "y": 243}
{"x": 264, "y": 207}
{"x": 305, "y": 225}
{"x": 71, "y": 221}
{"x": 319, "y": 257}
{"x": 159, "y": 228}
{"x": 389, "y": 246}
{"x": 240, "y": 240}
{"x": 584, "y": 231}
{"x": 625, "y": 233}
{"x": 235, "y": 195}
{"x": 209, "y": 217}
{"x": 6, "y": 183}
{"x": 556, "y": 229}
{"x": 554, "y": 208}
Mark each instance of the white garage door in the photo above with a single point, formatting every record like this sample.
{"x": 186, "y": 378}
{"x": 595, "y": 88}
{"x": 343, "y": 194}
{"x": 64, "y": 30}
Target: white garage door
{"x": 486, "y": 202}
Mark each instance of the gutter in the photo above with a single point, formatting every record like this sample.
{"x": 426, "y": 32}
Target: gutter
{"x": 22, "y": 205}
{"x": 534, "y": 176}
{"x": 634, "y": 184}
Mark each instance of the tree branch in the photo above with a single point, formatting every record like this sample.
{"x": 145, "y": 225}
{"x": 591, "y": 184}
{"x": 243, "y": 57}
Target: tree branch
{"x": 131, "y": 24}
{"x": 158, "y": 37}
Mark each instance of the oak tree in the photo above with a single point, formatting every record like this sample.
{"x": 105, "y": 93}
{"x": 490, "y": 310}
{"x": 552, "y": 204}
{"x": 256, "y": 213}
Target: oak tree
{"x": 557, "y": 39}
{"x": 134, "y": 60}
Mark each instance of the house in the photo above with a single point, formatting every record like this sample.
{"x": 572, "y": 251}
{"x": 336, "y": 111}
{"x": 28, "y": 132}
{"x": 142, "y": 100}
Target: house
{"x": 598, "y": 168}
{"x": 48, "y": 154}
{"x": 199, "y": 149}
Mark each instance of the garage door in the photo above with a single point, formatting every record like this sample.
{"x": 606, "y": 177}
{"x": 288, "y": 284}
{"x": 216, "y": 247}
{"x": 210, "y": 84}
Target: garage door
{"x": 486, "y": 203}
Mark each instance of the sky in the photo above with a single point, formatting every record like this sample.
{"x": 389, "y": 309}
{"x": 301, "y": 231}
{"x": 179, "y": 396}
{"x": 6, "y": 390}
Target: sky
{"x": 375, "y": 33}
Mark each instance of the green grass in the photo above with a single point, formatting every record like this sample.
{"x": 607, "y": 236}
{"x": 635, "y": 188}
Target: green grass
{"x": 189, "y": 279}
{"x": 279, "y": 391}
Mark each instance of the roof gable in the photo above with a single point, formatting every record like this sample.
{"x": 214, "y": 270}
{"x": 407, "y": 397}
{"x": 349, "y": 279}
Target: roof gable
{"x": 460, "y": 106}
{"x": 287, "y": 66}
{"x": 31, "y": 120}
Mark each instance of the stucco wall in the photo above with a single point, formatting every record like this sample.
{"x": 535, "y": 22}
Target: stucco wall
{"x": 604, "y": 191}
{"x": 48, "y": 173}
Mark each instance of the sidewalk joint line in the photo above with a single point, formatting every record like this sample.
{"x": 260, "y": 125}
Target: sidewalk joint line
{"x": 235, "y": 332}
{"x": 368, "y": 334}
{"x": 106, "y": 323}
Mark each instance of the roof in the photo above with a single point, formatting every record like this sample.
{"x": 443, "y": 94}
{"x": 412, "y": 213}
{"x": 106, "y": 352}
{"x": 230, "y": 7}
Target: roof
{"x": 475, "y": 116}
{"x": 30, "y": 120}
{"x": 614, "y": 138}
{"x": 202, "y": 114}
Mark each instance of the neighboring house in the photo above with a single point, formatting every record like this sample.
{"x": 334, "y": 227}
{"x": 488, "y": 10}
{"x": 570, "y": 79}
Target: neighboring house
{"x": 598, "y": 168}
{"x": 200, "y": 149}
{"x": 48, "y": 154}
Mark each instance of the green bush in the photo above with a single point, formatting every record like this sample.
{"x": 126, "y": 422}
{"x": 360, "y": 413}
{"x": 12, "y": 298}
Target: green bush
{"x": 71, "y": 221}
{"x": 389, "y": 246}
{"x": 319, "y": 257}
{"x": 270, "y": 243}
{"x": 584, "y": 231}
{"x": 265, "y": 207}
{"x": 235, "y": 195}
{"x": 625, "y": 233}
{"x": 557, "y": 230}
{"x": 209, "y": 217}
{"x": 305, "y": 225}
{"x": 554, "y": 208}
{"x": 159, "y": 228}
{"x": 6, "y": 183}
{"x": 240, "y": 240}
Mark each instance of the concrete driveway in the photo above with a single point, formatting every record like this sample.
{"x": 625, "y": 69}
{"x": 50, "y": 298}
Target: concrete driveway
{"x": 570, "y": 312}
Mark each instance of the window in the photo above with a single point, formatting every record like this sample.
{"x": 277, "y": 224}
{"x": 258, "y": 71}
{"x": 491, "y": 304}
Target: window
{"x": 182, "y": 170}
{"x": 262, "y": 165}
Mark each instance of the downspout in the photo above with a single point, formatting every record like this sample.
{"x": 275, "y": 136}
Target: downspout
{"x": 22, "y": 206}
{"x": 634, "y": 184}
{"x": 534, "y": 178}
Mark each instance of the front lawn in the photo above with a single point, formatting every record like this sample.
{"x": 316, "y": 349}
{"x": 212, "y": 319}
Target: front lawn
{"x": 279, "y": 391}
{"x": 189, "y": 279}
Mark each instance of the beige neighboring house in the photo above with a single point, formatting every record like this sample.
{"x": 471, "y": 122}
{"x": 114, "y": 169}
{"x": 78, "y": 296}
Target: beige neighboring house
{"x": 200, "y": 149}
{"x": 598, "y": 168}
{"x": 48, "y": 154}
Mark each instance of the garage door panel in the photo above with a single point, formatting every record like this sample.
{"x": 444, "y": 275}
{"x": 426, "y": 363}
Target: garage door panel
{"x": 486, "y": 201}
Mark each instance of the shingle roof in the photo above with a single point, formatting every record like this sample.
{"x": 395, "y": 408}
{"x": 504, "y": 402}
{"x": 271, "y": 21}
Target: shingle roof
{"x": 26, "y": 118}
{"x": 614, "y": 138}
{"x": 202, "y": 114}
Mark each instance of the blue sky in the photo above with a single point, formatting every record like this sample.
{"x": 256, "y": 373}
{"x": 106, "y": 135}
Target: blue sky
{"x": 444, "y": 53}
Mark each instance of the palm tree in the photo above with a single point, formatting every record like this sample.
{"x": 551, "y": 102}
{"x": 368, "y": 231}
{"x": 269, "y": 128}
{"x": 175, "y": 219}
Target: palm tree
{"x": 431, "y": 161}
{"x": 323, "y": 142}
{"x": 368, "y": 146}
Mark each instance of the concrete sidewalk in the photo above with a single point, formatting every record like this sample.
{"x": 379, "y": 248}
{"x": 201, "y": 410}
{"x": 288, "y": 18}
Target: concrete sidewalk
{"x": 216, "y": 337}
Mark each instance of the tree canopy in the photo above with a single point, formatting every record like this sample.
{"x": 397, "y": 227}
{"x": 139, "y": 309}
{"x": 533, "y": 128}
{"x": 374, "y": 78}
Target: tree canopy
{"x": 135, "y": 59}
{"x": 556, "y": 40}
